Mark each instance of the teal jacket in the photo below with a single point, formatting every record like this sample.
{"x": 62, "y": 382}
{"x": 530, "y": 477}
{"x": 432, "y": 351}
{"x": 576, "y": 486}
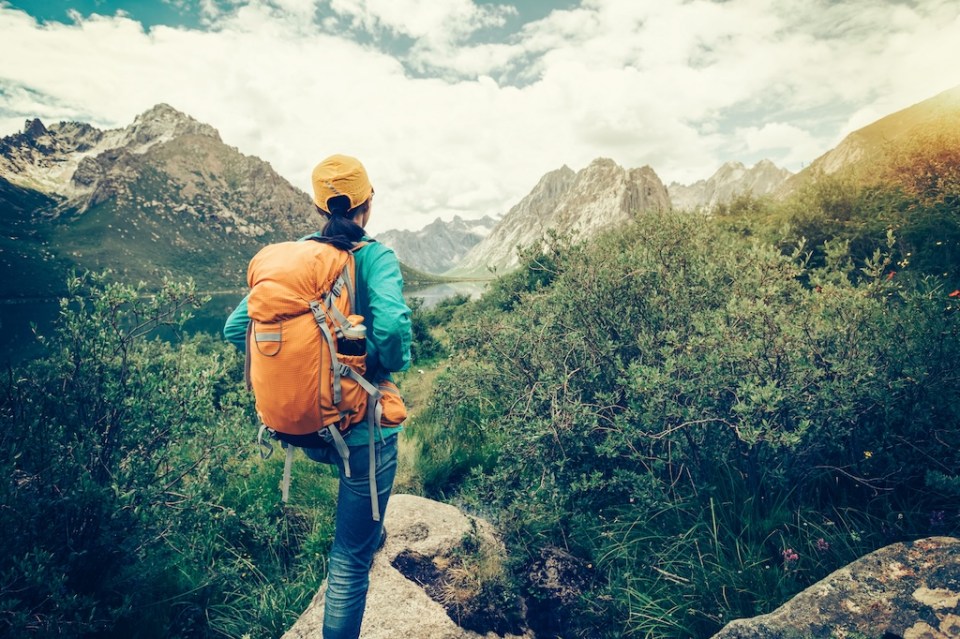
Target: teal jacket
{"x": 386, "y": 315}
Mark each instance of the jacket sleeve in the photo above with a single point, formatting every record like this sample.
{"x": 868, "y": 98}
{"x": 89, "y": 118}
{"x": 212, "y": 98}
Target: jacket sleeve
{"x": 235, "y": 329}
{"x": 389, "y": 333}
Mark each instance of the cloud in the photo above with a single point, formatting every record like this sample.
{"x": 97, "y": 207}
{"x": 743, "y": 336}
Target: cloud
{"x": 454, "y": 116}
{"x": 793, "y": 144}
{"x": 436, "y": 21}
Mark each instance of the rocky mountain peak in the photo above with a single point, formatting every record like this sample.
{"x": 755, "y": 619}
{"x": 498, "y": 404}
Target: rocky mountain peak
{"x": 34, "y": 129}
{"x": 601, "y": 164}
{"x": 731, "y": 179}
{"x": 599, "y": 196}
{"x": 554, "y": 181}
{"x": 162, "y": 123}
{"x": 439, "y": 245}
{"x": 69, "y": 159}
{"x": 864, "y": 153}
{"x": 163, "y": 195}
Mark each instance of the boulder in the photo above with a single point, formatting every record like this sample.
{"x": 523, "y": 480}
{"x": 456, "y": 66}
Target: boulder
{"x": 903, "y": 591}
{"x": 434, "y": 553}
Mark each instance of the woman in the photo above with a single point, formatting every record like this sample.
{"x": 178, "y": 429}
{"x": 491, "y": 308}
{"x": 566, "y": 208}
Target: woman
{"x": 343, "y": 195}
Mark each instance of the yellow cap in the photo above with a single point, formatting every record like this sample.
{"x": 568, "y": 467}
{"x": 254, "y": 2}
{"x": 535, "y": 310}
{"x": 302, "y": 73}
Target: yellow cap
{"x": 340, "y": 175}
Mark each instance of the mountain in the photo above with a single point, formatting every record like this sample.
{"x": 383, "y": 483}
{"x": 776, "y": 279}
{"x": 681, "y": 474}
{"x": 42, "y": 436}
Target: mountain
{"x": 730, "y": 180}
{"x": 866, "y": 155}
{"x": 438, "y": 246}
{"x": 600, "y": 196}
{"x": 162, "y": 197}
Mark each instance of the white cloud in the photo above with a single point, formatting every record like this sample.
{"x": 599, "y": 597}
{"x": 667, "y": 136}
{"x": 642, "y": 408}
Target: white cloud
{"x": 793, "y": 144}
{"x": 451, "y": 126}
{"x": 428, "y": 20}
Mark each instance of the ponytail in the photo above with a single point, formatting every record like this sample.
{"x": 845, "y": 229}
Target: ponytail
{"x": 340, "y": 230}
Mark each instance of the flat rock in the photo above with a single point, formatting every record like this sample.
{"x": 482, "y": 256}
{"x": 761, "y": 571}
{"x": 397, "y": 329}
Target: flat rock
{"x": 397, "y": 606}
{"x": 903, "y": 591}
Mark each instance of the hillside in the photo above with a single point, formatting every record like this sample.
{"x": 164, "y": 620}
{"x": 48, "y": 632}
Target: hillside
{"x": 161, "y": 197}
{"x": 867, "y": 154}
{"x": 440, "y": 245}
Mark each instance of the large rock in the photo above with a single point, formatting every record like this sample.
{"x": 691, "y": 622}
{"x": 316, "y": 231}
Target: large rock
{"x": 906, "y": 590}
{"x": 430, "y": 542}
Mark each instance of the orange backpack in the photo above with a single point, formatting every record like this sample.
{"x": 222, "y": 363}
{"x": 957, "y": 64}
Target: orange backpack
{"x": 307, "y": 393}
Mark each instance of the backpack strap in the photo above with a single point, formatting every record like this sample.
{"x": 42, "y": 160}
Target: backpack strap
{"x": 247, "y": 356}
{"x": 320, "y": 317}
{"x": 341, "y": 447}
{"x": 340, "y": 321}
{"x": 373, "y": 423}
{"x": 344, "y": 281}
{"x": 287, "y": 466}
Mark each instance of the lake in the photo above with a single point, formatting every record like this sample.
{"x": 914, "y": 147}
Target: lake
{"x": 17, "y": 317}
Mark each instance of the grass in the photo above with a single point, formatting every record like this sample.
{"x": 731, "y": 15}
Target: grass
{"x": 416, "y": 385}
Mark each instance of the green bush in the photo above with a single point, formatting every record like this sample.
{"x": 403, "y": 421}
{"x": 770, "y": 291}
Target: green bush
{"x": 711, "y": 423}
{"x": 424, "y": 346}
{"x": 833, "y": 209}
{"x": 133, "y": 506}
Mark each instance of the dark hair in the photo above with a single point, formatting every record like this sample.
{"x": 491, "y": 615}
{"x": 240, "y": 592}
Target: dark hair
{"x": 340, "y": 229}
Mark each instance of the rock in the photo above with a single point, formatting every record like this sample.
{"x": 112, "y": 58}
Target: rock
{"x": 906, "y": 590}
{"x": 430, "y": 542}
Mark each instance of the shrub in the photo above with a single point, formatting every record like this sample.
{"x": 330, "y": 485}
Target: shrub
{"x": 682, "y": 407}
{"x": 130, "y": 506}
{"x": 424, "y": 346}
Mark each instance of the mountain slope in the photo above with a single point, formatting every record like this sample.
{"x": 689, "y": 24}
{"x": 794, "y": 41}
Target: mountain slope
{"x": 602, "y": 195}
{"x": 161, "y": 197}
{"x": 440, "y": 245}
{"x": 730, "y": 180}
{"x": 867, "y": 153}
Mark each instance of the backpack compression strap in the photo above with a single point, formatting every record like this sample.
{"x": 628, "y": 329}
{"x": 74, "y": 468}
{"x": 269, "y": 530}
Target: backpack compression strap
{"x": 373, "y": 423}
{"x": 321, "y": 318}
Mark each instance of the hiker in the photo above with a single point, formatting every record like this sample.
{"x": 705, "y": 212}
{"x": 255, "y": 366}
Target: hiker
{"x": 344, "y": 197}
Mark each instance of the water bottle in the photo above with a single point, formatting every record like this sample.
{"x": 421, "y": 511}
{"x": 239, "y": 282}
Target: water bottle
{"x": 354, "y": 340}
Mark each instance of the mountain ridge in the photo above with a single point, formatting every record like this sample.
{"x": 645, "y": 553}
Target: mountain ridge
{"x": 599, "y": 196}
{"x": 730, "y": 180}
{"x": 438, "y": 246}
{"x": 865, "y": 153}
{"x": 163, "y": 196}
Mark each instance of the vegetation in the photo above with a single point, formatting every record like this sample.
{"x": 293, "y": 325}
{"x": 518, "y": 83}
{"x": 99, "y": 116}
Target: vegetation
{"x": 711, "y": 419}
{"x": 132, "y": 504}
{"x": 912, "y": 189}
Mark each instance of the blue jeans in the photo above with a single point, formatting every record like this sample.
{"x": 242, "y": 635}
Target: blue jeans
{"x": 357, "y": 535}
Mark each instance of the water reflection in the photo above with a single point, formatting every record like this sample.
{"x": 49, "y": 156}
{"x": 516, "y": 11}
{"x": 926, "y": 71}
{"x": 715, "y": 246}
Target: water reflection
{"x": 433, "y": 294}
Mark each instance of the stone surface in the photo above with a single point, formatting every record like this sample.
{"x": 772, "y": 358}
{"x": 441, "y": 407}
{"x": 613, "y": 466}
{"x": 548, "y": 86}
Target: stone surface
{"x": 906, "y": 590}
{"x": 396, "y": 605}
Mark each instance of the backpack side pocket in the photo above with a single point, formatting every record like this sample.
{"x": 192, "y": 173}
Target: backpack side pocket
{"x": 394, "y": 410}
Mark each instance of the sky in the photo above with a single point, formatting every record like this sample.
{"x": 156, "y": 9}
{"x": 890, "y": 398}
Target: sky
{"x": 459, "y": 107}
